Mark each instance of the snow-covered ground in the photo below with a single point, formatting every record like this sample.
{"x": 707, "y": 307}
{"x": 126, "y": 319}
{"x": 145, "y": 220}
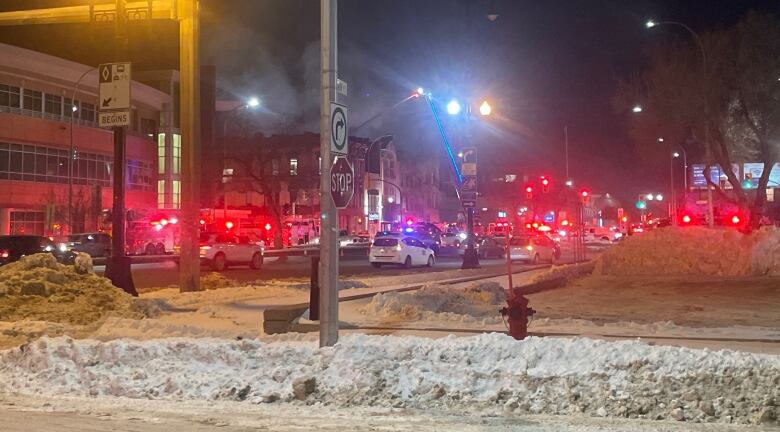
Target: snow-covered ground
{"x": 491, "y": 373}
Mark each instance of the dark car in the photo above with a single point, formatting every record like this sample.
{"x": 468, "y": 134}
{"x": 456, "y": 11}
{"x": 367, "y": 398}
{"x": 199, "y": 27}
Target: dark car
{"x": 493, "y": 246}
{"x": 14, "y": 247}
{"x": 431, "y": 241}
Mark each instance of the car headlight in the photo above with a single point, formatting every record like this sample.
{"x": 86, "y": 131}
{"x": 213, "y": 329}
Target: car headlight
{"x": 62, "y": 247}
{"x": 462, "y": 236}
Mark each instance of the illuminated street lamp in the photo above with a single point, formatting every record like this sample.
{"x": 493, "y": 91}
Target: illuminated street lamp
{"x": 660, "y": 139}
{"x": 453, "y": 107}
{"x": 460, "y": 154}
{"x": 253, "y": 102}
{"x": 650, "y": 24}
{"x": 420, "y": 91}
{"x": 637, "y": 109}
{"x": 569, "y": 183}
{"x": 485, "y": 109}
{"x": 649, "y": 197}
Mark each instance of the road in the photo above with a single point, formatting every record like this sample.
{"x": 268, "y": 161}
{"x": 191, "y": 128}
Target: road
{"x": 163, "y": 274}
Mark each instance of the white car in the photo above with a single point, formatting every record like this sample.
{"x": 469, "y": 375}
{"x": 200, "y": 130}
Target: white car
{"x": 221, "y": 250}
{"x": 452, "y": 239}
{"x": 405, "y": 251}
{"x": 602, "y": 235}
{"x": 532, "y": 249}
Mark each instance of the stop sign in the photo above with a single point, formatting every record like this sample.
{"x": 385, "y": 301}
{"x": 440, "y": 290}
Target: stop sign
{"x": 342, "y": 182}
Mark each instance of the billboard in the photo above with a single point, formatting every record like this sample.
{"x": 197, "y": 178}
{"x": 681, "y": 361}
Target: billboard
{"x": 753, "y": 171}
{"x": 716, "y": 175}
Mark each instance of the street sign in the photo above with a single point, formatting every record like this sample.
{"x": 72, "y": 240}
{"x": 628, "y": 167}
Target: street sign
{"x": 114, "y": 118}
{"x": 342, "y": 182}
{"x": 468, "y": 186}
{"x": 338, "y": 129}
{"x": 620, "y": 213}
{"x": 114, "y": 88}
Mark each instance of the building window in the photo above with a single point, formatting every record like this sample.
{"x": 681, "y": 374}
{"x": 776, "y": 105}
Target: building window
{"x": 50, "y": 165}
{"x": 27, "y": 222}
{"x": 53, "y": 105}
{"x": 160, "y": 193}
{"x": 87, "y": 112}
{"x": 161, "y": 153}
{"x": 176, "y": 153}
{"x": 10, "y": 96}
{"x": 67, "y": 107}
{"x": 176, "y": 194}
{"x": 33, "y": 100}
{"x": 293, "y": 166}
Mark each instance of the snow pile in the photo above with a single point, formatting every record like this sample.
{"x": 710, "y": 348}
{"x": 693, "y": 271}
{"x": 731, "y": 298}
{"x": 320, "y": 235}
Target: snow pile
{"x": 490, "y": 373}
{"x": 477, "y": 302}
{"x": 694, "y": 250}
{"x": 38, "y": 288}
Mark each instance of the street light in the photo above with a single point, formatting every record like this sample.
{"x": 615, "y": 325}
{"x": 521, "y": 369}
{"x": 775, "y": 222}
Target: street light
{"x": 420, "y": 91}
{"x": 460, "y": 154}
{"x": 660, "y": 139}
{"x": 453, "y": 107}
{"x": 675, "y": 154}
{"x": 637, "y": 108}
{"x": 569, "y": 183}
{"x": 485, "y": 109}
{"x": 659, "y": 197}
{"x": 253, "y": 102}
{"x": 650, "y": 24}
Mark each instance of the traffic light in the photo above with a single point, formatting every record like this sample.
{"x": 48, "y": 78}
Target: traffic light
{"x": 268, "y": 227}
{"x": 545, "y": 184}
{"x": 529, "y": 192}
{"x": 585, "y": 196}
{"x": 229, "y": 225}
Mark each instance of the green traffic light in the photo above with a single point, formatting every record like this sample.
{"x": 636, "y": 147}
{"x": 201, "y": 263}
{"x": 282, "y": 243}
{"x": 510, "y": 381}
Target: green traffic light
{"x": 641, "y": 205}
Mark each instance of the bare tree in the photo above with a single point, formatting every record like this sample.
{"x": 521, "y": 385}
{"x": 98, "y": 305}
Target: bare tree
{"x": 739, "y": 88}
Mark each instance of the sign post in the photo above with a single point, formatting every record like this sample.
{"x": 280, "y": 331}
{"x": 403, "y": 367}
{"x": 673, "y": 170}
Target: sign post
{"x": 114, "y": 99}
{"x": 468, "y": 199}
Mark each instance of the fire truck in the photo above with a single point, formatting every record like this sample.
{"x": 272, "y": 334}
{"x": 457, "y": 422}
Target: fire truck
{"x": 152, "y": 232}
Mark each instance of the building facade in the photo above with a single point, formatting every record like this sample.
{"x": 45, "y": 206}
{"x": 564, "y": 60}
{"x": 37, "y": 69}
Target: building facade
{"x": 56, "y": 165}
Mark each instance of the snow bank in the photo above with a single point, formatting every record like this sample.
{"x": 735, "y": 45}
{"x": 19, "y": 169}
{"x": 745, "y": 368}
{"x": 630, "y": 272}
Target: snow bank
{"x": 491, "y": 373}
{"x": 694, "y": 250}
{"x": 566, "y": 272}
{"x": 38, "y": 288}
{"x": 477, "y": 302}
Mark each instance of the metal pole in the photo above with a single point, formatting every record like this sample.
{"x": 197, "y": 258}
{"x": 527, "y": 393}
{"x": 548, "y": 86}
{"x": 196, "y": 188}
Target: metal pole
{"x": 329, "y": 258}
{"x": 224, "y": 165}
{"x": 672, "y": 199}
{"x": 118, "y": 265}
{"x": 189, "y": 67}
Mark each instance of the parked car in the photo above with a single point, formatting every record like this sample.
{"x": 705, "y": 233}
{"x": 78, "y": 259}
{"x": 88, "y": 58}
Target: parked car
{"x": 222, "y": 250}
{"x": 430, "y": 240}
{"x": 346, "y": 239}
{"x": 405, "y": 251}
{"x": 96, "y": 244}
{"x": 452, "y": 239}
{"x": 14, "y": 247}
{"x": 601, "y": 235}
{"x": 532, "y": 249}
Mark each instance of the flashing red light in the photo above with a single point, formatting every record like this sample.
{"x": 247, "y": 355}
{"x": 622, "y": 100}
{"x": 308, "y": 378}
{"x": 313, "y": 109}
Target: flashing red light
{"x": 584, "y": 193}
{"x": 268, "y": 227}
{"x": 735, "y": 220}
{"x": 229, "y": 224}
{"x": 202, "y": 222}
{"x": 529, "y": 189}
{"x": 686, "y": 219}
{"x": 528, "y": 226}
{"x": 564, "y": 223}
{"x": 409, "y": 222}
{"x": 545, "y": 181}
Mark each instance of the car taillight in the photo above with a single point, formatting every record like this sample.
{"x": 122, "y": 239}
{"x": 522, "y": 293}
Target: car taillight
{"x": 735, "y": 220}
{"x": 4, "y": 254}
{"x": 686, "y": 219}
{"x": 205, "y": 247}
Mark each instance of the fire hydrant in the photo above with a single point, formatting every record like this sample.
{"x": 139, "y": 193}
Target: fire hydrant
{"x": 517, "y": 313}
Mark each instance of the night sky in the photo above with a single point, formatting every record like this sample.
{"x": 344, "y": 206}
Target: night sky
{"x": 543, "y": 64}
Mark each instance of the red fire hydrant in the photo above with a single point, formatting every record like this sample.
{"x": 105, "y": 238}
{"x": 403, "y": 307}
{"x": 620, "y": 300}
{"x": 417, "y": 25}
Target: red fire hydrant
{"x": 517, "y": 313}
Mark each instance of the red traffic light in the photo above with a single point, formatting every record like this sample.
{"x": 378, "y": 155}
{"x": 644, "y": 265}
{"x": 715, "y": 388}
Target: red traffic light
{"x": 545, "y": 181}
{"x": 584, "y": 193}
{"x": 529, "y": 189}
{"x": 229, "y": 225}
{"x": 686, "y": 219}
{"x": 736, "y": 220}
{"x": 268, "y": 227}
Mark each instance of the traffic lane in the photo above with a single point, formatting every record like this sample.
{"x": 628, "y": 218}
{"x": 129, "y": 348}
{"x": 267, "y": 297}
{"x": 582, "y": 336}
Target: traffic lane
{"x": 166, "y": 273}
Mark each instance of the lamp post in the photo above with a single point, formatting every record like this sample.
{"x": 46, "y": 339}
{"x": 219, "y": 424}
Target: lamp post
{"x": 650, "y": 24}
{"x": 252, "y": 103}
{"x": 73, "y": 110}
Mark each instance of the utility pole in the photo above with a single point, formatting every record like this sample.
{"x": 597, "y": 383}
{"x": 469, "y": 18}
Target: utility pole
{"x": 329, "y": 258}
{"x": 566, "y": 149}
{"x": 189, "y": 70}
